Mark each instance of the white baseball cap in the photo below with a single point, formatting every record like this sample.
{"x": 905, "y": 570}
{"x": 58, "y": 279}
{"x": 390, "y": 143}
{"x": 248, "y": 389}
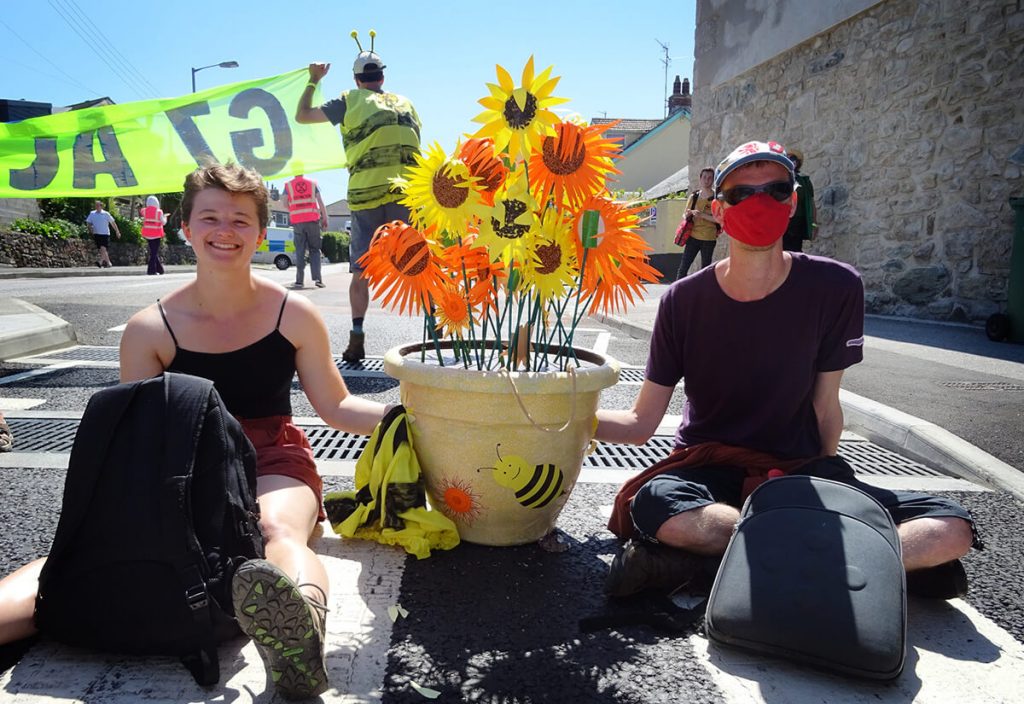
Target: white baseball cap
{"x": 368, "y": 62}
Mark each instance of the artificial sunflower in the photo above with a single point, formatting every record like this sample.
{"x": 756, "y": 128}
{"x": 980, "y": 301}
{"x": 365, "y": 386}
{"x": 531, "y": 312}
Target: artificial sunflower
{"x": 616, "y": 267}
{"x": 517, "y": 118}
{"x": 401, "y": 269}
{"x": 441, "y": 192}
{"x": 505, "y": 229}
{"x": 572, "y": 164}
{"x": 478, "y": 155}
{"x": 471, "y": 269}
{"x": 454, "y": 316}
{"x": 549, "y": 266}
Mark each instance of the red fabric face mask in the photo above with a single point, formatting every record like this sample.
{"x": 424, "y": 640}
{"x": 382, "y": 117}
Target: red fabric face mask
{"x": 759, "y": 220}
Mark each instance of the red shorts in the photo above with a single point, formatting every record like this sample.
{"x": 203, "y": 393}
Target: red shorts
{"x": 283, "y": 449}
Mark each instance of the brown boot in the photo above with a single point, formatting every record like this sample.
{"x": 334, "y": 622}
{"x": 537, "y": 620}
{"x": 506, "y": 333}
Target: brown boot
{"x": 642, "y": 566}
{"x": 355, "y": 351}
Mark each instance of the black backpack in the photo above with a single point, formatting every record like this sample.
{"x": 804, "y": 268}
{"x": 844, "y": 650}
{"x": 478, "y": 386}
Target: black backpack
{"x": 159, "y": 509}
{"x": 814, "y": 573}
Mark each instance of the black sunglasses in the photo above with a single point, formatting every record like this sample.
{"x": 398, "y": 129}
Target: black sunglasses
{"x": 779, "y": 190}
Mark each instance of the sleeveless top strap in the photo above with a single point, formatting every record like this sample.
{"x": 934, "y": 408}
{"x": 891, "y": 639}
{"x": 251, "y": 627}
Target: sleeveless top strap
{"x": 279, "y": 315}
{"x": 166, "y": 324}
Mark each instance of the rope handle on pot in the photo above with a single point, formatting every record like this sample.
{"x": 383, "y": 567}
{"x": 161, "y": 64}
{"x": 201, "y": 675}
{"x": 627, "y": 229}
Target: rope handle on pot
{"x": 522, "y": 406}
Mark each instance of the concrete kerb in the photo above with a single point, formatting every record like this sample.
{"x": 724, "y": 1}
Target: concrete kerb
{"x": 28, "y": 329}
{"x": 926, "y": 442}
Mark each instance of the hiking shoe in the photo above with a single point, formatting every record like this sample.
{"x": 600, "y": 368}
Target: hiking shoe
{"x": 286, "y": 626}
{"x": 6, "y": 436}
{"x": 355, "y": 351}
{"x": 641, "y": 566}
{"x": 945, "y": 581}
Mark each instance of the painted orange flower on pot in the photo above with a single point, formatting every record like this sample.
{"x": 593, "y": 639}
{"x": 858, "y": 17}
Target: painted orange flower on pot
{"x": 459, "y": 501}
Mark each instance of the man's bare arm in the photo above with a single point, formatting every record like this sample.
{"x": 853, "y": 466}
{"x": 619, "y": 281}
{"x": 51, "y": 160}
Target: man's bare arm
{"x": 305, "y": 113}
{"x": 828, "y": 410}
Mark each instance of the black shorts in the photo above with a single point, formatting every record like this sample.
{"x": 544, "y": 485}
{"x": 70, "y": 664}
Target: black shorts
{"x": 675, "y": 492}
{"x": 101, "y": 240}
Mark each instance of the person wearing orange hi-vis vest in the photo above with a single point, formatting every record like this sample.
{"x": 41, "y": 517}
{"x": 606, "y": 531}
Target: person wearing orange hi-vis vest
{"x": 308, "y": 217}
{"x": 153, "y": 221}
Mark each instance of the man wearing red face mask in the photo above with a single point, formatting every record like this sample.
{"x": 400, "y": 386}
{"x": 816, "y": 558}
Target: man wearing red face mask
{"x": 762, "y": 339}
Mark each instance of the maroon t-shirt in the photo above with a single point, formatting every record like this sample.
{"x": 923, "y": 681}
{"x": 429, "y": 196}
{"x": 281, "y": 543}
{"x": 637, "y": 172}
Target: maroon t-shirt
{"x": 750, "y": 368}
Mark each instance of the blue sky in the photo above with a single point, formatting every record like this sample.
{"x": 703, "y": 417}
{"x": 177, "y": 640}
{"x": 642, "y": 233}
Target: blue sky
{"x": 438, "y": 54}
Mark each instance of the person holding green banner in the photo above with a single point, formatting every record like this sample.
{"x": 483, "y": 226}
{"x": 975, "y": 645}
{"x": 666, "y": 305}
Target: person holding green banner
{"x": 381, "y": 135}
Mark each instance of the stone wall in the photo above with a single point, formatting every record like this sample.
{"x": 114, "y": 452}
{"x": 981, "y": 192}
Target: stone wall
{"x": 20, "y": 249}
{"x": 911, "y": 122}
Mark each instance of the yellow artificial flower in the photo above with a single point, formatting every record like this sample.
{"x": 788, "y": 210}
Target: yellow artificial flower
{"x": 441, "y": 192}
{"x": 505, "y": 230}
{"x": 517, "y": 118}
{"x": 549, "y": 266}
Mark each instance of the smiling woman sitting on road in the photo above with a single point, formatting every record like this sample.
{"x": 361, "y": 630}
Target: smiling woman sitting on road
{"x": 222, "y": 326}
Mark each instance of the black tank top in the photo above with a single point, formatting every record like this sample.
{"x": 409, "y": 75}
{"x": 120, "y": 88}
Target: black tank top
{"x": 254, "y": 381}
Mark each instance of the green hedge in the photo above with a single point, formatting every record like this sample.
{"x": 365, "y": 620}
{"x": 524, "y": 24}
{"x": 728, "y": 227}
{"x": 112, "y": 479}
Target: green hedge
{"x": 54, "y": 228}
{"x": 335, "y": 246}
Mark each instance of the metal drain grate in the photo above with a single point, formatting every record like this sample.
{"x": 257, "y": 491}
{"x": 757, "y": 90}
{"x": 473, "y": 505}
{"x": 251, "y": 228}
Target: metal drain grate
{"x": 371, "y": 366}
{"x": 982, "y": 385}
{"x": 632, "y": 375}
{"x": 615, "y": 456}
{"x": 43, "y": 434}
{"x": 82, "y": 353}
{"x": 869, "y": 458}
{"x": 331, "y": 444}
{"x": 58, "y": 435}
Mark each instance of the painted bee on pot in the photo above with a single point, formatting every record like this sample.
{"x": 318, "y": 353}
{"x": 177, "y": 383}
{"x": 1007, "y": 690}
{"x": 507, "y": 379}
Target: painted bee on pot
{"x": 535, "y": 486}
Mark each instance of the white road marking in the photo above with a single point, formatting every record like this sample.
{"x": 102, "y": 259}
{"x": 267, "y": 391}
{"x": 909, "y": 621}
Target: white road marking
{"x": 601, "y": 343}
{"x": 118, "y": 328}
{"x": 31, "y": 373}
{"x": 19, "y": 404}
{"x": 954, "y": 654}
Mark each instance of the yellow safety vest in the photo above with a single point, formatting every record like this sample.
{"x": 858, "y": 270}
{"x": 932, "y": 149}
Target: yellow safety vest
{"x": 381, "y": 134}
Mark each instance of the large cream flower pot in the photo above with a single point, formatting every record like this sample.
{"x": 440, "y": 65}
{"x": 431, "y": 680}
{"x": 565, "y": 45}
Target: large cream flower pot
{"x": 500, "y": 451}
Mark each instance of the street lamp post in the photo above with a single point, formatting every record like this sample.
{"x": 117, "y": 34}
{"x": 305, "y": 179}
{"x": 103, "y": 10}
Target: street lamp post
{"x": 222, "y": 64}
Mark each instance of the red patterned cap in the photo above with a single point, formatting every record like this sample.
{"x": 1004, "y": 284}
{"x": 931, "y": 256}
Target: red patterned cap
{"x": 752, "y": 151}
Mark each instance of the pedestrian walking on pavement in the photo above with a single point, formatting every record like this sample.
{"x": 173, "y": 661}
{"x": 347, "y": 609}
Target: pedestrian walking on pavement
{"x": 153, "y": 221}
{"x": 381, "y": 135}
{"x": 99, "y": 222}
{"x": 704, "y": 234}
{"x": 309, "y": 218}
{"x": 762, "y": 339}
{"x": 224, "y": 324}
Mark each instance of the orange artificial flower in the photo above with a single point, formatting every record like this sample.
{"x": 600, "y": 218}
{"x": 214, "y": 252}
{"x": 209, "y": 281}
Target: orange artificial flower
{"x": 478, "y": 155}
{"x": 573, "y": 164}
{"x": 401, "y": 269}
{"x": 616, "y": 269}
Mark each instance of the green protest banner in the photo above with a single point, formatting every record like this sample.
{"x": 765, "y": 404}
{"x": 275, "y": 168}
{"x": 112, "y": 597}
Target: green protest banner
{"x": 149, "y": 146}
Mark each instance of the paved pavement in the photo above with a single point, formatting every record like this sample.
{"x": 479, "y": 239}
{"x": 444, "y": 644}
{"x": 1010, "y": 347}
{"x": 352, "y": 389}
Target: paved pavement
{"x": 953, "y": 648}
